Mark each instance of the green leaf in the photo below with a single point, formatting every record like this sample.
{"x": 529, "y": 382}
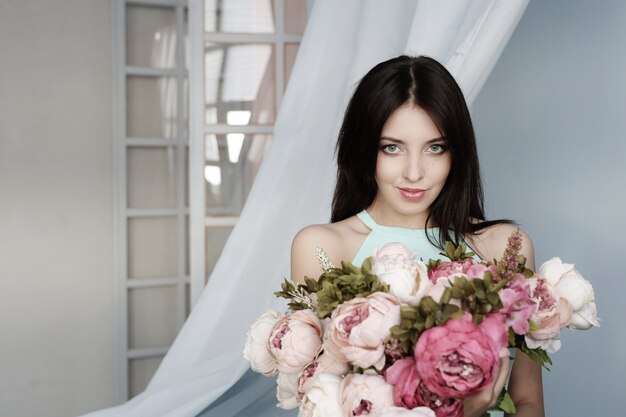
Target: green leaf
{"x": 367, "y": 265}
{"x": 312, "y": 285}
{"x": 445, "y": 297}
{"x": 493, "y": 298}
{"x": 408, "y": 313}
{"x": 427, "y": 304}
{"x": 456, "y": 293}
{"x": 505, "y": 402}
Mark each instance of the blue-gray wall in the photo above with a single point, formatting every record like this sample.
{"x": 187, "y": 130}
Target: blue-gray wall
{"x": 551, "y": 126}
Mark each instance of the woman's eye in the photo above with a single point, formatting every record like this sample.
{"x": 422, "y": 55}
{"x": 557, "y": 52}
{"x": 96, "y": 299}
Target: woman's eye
{"x": 390, "y": 148}
{"x": 437, "y": 148}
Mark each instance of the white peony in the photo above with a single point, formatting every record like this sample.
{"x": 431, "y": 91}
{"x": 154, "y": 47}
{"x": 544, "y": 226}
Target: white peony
{"x": 257, "y": 344}
{"x": 567, "y": 283}
{"x": 286, "y": 391}
{"x": 365, "y": 395}
{"x": 322, "y": 398}
{"x": 396, "y": 265}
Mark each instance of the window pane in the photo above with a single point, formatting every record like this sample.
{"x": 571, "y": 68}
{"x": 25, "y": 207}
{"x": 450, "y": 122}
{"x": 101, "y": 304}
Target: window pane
{"x": 140, "y": 374}
{"x": 228, "y": 180}
{"x": 295, "y": 16}
{"x": 239, "y": 78}
{"x": 239, "y": 16}
{"x": 152, "y": 316}
{"x": 216, "y": 239}
{"x": 291, "y": 51}
{"x": 152, "y": 247}
{"x": 151, "y": 107}
{"x": 151, "y": 36}
{"x": 151, "y": 177}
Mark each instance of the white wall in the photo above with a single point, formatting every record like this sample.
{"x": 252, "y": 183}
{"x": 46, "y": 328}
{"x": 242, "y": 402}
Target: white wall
{"x": 551, "y": 126}
{"x": 56, "y": 297}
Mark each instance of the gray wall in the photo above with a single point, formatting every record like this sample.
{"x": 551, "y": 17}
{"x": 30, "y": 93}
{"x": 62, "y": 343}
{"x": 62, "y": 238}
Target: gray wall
{"x": 56, "y": 295}
{"x": 551, "y": 126}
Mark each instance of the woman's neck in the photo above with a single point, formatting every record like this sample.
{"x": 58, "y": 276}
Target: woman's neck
{"x": 385, "y": 216}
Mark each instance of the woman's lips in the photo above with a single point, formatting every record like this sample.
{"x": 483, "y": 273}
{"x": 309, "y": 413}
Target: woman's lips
{"x": 412, "y": 194}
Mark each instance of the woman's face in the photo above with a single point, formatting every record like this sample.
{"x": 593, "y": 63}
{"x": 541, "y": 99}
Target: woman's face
{"x": 411, "y": 168}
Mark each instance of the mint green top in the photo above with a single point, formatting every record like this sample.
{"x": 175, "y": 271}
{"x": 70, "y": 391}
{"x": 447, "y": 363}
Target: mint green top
{"x": 414, "y": 239}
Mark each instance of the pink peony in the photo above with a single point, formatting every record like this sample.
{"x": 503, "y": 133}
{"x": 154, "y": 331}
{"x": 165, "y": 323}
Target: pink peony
{"x": 517, "y": 304}
{"x": 443, "y": 407}
{"x": 410, "y": 392}
{"x": 359, "y": 329}
{"x": 494, "y": 326}
{"x": 295, "y": 340}
{"x": 467, "y": 268}
{"x": 461, "y": 358}
{"x": 363, "y": 394}
{"x": 553, "y": 313}
{"x": 405, "y": 380}
{"x": 403, "y": 412}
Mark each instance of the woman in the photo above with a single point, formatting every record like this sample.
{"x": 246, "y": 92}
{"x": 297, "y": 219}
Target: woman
{"x": 408, "y": 171}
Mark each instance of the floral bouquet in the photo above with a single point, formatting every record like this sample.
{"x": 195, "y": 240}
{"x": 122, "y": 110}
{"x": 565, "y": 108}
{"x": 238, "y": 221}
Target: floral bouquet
{"x": 401, "y": 338}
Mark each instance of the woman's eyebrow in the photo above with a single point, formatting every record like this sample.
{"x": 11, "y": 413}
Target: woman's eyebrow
{"x": 439, "y": 139}
{"x": 400, "y": 141}
{"x": 394, "y": 140}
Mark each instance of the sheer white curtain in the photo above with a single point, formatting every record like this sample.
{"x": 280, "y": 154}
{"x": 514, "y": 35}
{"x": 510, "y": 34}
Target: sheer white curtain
{"x": 342, "y": 41}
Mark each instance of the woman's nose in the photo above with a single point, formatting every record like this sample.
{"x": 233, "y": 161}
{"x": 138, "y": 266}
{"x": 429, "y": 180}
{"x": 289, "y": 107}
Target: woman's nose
{"x": 413, "y": 169}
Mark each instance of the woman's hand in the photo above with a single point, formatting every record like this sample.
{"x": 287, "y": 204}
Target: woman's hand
{"x": 476, "y": 405}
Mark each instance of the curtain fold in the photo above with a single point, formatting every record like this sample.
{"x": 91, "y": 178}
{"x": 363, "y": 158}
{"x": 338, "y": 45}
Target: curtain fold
{"x": 294, "y": 186}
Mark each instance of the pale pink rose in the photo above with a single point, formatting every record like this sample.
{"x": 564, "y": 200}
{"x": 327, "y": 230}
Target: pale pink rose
{"x": 396, "y": 265}
{"x": 324, "y": 363}
{"x": 295, "y": 340}
{"x": 323, "y": 398}
{"x": 286, "y": 391}
{"x": 257, "y": 350}
{"x": 403, "y": 412}
{"x": 553, "y": 313}
{"x": 365, "y": 395}
{"x": 460, "y": 358}
{"x": 360, "y": 327}
{"x": 468, "y": 268}
{"x": 567, "y": 283}
{"x": 517, "y": 304}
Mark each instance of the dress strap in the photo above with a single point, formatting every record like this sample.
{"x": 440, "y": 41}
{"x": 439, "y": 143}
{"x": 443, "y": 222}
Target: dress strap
{"x": 367, "y": 220}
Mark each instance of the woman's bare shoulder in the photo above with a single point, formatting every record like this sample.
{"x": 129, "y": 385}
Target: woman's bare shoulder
{"x": 491, "y": 242}
{"x": 336, "y": 239}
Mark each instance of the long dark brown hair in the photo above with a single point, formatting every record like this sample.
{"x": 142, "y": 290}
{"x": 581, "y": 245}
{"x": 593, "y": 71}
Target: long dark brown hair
{"x": 425, "y": 83}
